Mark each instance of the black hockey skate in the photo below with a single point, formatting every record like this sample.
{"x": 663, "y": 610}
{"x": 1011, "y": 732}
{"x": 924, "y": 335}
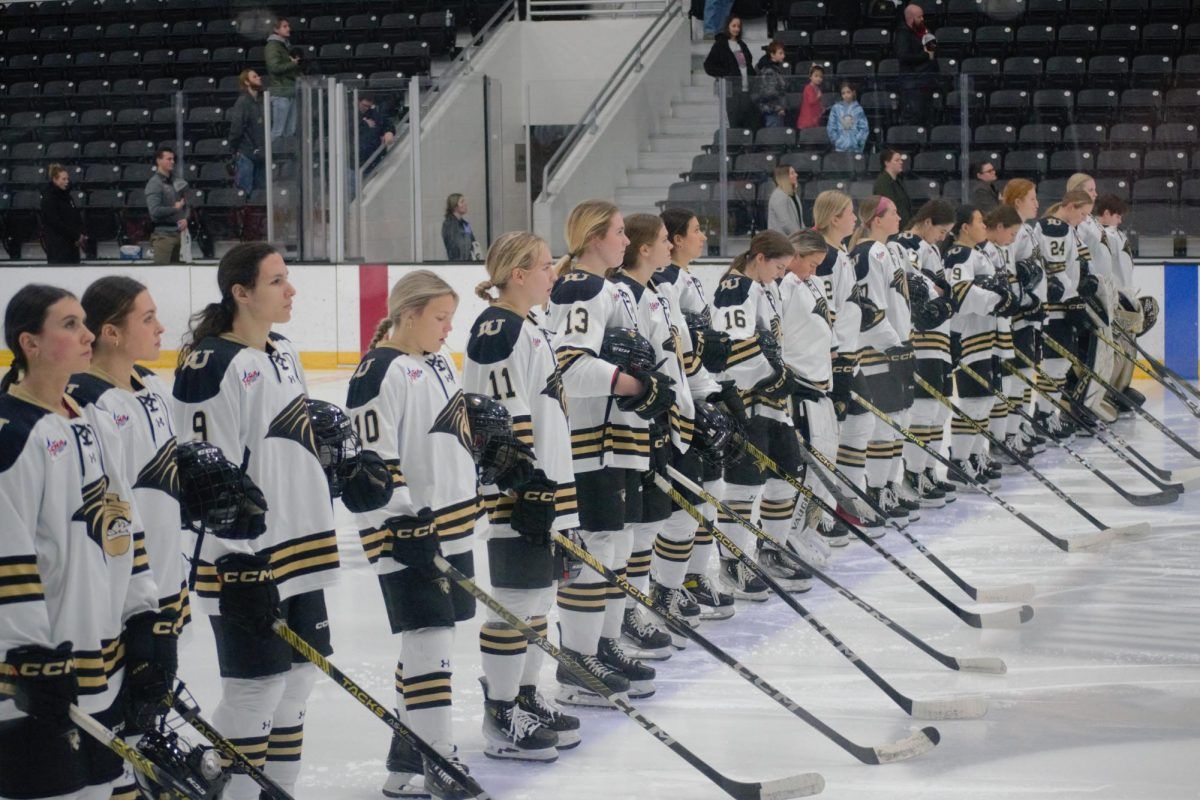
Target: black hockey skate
{"x": 439, "y": 783}
{"x": 742, "y": 583}
{"x": 673, "y": 603}
{"x": 640, "y": 676}
{"x": 574, "y": 692}
{"x": 651, "y": 642}
{"x": 946, "y": 486}
{"x": 906, "y": 499}
{"x": 714, "y": 604}
{"x": 551, "y": 716}
{"x": 919, "y": 484}
{"x": 791, "y": 576}
{"x": 510, "y": 731}
{"x": 834, "y": 531}
{"x": 405, "y": 770}
{"x": 984, "y": 466}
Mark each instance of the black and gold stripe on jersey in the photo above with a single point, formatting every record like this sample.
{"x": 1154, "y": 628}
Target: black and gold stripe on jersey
{"x": 307, "y": 555}
{"x": 457, "y": 521}
{"x": 396, "y": 474}
{"x": 567, "y": 356}
{"x": 743, "y": 350}
{"x": 141, "y": 560}
{"x": 95, "y": 668}
{"x": 499, "y": 507}
{"x": 931, "y": 340}
{"x": 180, "y": 603}
{"x": 612, "y": 437}
{"x": 683, "y": 427}
{"x": 20, "y": 581}
{"x": 977, "y": 345}
{"x": 522, "y": 426}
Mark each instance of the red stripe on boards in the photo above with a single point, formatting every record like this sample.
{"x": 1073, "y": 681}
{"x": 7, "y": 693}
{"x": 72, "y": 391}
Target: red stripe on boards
{"x": 372, "y": 300}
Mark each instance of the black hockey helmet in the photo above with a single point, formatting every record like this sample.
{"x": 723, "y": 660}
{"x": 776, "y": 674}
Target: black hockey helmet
{"x": 196, "y": 768}
{"x": 337, "y": 443}
{"x": 713, "y": 431}
{"x": 493, "y": 444}
{"x": 1029, "y": 273}
{"x": 628, "y": 349}
{"x": 211, "y": 489}
{"x": 768, "y": 342}
{"x": 697, "y": 321}
{"x": 1149, "y": 313}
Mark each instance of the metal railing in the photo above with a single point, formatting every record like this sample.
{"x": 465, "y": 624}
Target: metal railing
{"x": 556, "y": 9}
{"x": 631, "y": 64}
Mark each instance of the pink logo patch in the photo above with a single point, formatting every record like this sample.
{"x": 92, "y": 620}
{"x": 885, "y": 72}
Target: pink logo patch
{"x": 414, "y": 373}
{"x": 537, "y": 342}
{"x": 654, "y": 305}
{"x": 121, "y": 419}
{"x": 249, "y": 378}
{"x": 55, "y": 447}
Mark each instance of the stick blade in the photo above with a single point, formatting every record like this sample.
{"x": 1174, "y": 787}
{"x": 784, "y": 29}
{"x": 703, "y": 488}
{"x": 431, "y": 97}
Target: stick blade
{"x": 1006, "y": 618}
{"x": 919, "y": 743}
{"x": 1137, "y": 529}
{"x": 988, "y": 664}
{"x": 972, "y": 707}
{"x": 1090, "y": 541}
{"x": 804, "y": 785}
{"x": 1163, "y": 498}
{"x": 1017, "y": 593}
{"x": 1189, "y": 478}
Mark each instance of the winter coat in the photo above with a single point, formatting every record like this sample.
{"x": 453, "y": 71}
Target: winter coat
{"x": 892, "y": 189}
{"x": 911, "y": 53}
{"x": 458, "y": 238}
{"x": 771, "y": 87}
{"x": 720, "y": 62}
{"x": 783, "y": 212}
{"x": 62, "y": 225}
{"x": 851, "y": 136}
{"x": 984, "y": 195}
{"x": 246, "y": 125}
{"x": 281, "y": 68}
{"x": 810, "y": 107}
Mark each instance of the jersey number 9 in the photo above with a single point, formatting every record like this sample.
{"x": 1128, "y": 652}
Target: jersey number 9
{"x": 200, "y": 425}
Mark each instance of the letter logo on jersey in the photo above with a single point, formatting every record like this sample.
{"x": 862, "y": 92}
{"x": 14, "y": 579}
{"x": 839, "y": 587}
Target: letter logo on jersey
{"x": 574, "y": 275}
{"x": 490, "y": 327}
{"x": 453, "y": 420}
{"x": 294, "y": 423}
{"x": 107, "y": 517}
{"x": 161, "y": 472}
{"x": 197, "y": 359}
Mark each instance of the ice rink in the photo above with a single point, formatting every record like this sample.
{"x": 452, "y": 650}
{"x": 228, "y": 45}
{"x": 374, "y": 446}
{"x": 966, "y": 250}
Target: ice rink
{"x": 1101, "y": 698}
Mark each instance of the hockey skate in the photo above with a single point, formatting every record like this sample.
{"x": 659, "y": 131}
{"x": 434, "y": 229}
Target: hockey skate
{"x": 905, "y": 499}
{"x": 672, "y": 602}
{"x": 810, "y": 546}
{"x": 792, "y": 577}
{"x": 714, "y": 604}
{"x": 742, "y": 583}
{"x": 640, "y": 676}
{"x": 985, "y": 467}
{"x": 972, "y": 475}
{"x": 405, "y": 770}
{"x": 930, "y": 495}
{"x": 510, "y": 731}
{"x": 651, "y": 642}
{"x": 833, "y": 532}
{"x": 572, "y": 690}
{"x": 550, "y": 715}
{"x": 441, "y": 786}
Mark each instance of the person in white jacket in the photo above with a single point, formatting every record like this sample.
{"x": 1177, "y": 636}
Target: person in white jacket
{"x": 783, "y": 207}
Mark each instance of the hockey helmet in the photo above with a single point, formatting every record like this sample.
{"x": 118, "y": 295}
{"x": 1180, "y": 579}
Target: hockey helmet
{"x": 1149, "y": 313}
{"x": 337, "y": 443}
{"x": 211, "y": 489}
{"x": 493, "y": 444}
{"x": 628, "y": 349}
{"x": 713, "y": 431}
{"x": 768, "y": 342}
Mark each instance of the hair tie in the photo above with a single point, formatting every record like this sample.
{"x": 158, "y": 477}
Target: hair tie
{"x": 882, "y": 207}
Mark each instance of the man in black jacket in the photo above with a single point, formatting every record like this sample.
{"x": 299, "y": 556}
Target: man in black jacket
{"x": 62, "y": 224}
{"x": 246, "y": 133}
{"x": 915, "y": 48}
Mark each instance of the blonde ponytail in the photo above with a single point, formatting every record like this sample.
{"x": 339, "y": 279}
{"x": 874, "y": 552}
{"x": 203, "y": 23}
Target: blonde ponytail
{"x": 381, "y": 331}
{"x": 483, "y": 290}
{"x": 410, "y": 295}
{"x": 589, "y": 220}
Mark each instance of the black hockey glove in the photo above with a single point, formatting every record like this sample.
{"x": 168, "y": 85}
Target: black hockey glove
{"x": 533, "y": 510}
{"x": 806, "y": 391}
{"x": 655, "y": 398}
{"x": 1077, "y": 316}
{"x": 716, "y": 346}
{"x": 1029, "y": 273}
{"x": 252, "y": 513}
{"x": 918, "y": 289}
{"x": 369, "y": 485}
{"x": 249, "y": 598}
{"x": 151, "y": 662}
{"x": 1089, "y": 285}
{"x": 1007, "y": 305}
{"x": 520, "y": 471}
{"x": 843, "y": 375}
{"x": 44, "y": 680}
{"x": 1054, "y": 289}
{"x": 414, "y": 539}
{"x": 779, "y": 385}
{"x": 730, "y": 401}
{"x": 931, "y": 314}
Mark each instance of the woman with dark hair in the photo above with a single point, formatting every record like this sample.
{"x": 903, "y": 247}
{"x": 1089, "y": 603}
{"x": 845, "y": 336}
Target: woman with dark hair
{"x": 457, "y": 235}
{"x": 80, "y": 603}
{"x": 62, "y": 224}
{"x": 239, "y": 386}
{"x": 730, "y": 58}
{"x": 772, "y": 86}
{"x": 847, "y": 127}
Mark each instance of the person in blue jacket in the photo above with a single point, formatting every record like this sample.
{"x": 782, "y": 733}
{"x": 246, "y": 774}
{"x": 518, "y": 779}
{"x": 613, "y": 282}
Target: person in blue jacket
{"x": 847, "y": 127}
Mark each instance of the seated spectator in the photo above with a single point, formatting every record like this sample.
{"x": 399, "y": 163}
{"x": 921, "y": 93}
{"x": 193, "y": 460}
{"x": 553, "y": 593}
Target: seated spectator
{"x": 772, "y": 86}
{"x": 374, "y": 129}
{"x": 984, "y": 194}
{"x": 783, "y": 208}
{"x": 457, "y": 235}
{"x": 730, "y": 59}
{"x": 847, "y": 127}
{"x": 810, "y": 105}
{"x": 62, "y": 224}
{"x": 246, "y": 133}
{"x": 888, "y": 185}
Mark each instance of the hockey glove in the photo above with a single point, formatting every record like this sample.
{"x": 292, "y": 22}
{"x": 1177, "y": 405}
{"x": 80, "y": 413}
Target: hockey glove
{"x": 150, "y": 665}
{"x": 714, "y": 350}
{"x": 778, "y": 386}
{"x": 1089, "y": 285}
{"x": 45, "y": 681}
{"x": 806, "y": 391}
{"x": 1077, "y": 316}
{"x": 938, "y": 280}
{"x": 520, "y": 471}
{"x": 931, "y": 314}
{"x": 1007, "y": 306}
{"x": 730, "y": 401}
{"x": 414, "y": 539}
{"x": 369, "y": 485}
{"x": 655, "y": 398}
{"x": 843, "y": 375}
{"x": 918, "y": 290}
{"x": 1054, "y": 289}
{"x": 534, "y": 510}
{"x": 249, "y": 598}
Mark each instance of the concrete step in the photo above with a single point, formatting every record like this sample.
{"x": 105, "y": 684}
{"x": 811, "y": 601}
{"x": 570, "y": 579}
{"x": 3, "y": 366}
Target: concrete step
{"x": 701, "y": 110}
{"x": 666, "y": 162}
{"x": 650, "y": 179}
{"x": 679, "y": 143}
{"x": 643, "y": 198}
{"x": 691, "y": 128}
{"x": 700, "y": 94}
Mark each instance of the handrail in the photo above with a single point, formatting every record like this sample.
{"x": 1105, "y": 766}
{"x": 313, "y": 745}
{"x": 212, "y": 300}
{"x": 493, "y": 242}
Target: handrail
{"x": 631, "y": 63}
{"x": 552, "y": 9}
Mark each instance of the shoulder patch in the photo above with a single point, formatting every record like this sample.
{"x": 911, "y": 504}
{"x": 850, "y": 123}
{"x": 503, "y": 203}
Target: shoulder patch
{"x": 576, "y": 286}
{"x": 635, "y": 288}
{"x": 368, "y": 378}
{"x": 494, "y": 335}
{"x": 17, "y": 419}
{"x": 860, "y": 256}
{"x": 733, "y": 290}
{"x": 86, "y": 388}
{"x": 668, "y": 274}
{"x": 200, "y": 377}
{"x": 830, "y": 261}
{"x": 1053, "y": 226}
{"x": 956, "y": 255}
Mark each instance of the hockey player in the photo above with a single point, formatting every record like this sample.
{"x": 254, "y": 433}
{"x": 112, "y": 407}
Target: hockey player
{"x": 885, "y": 352}
{"x": 929, "y": 300}
{"x": 1109, "y": 212}
{"x": 708, "y": 349}
{"x": 972, "y": 339}
{"x": 1003, "y": 222}
{"x": 746, "y": 306}
{"x": 610, "y": 441}
{"x": 407, "y": 403}
{"x": 81, "y": 622}
{"x": 240, "y": 387}
{"x": 511, "y": 359}
{"x": 1026, "y": 260}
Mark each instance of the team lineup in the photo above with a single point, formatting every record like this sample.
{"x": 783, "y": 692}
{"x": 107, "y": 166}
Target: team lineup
{"x": 611, "y": 424}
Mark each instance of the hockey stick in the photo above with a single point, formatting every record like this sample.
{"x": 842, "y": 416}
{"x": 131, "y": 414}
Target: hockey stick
{"x": 191, "y": 715}
{"x": 918, "y": 742}
{"x": 977, "y": 664}
{"x": 378, "y": 709}
{"x": 1081, "y": 542}
{"x": 1183, "y": 479}
{"x": 802, "y": 785}
{"x": 1154, "y": 421}
{"x": 1162, "y": 368}
{"x": 1009, "y": 618}
{"x": 1159, "y": 371}
{"x": 1017, "y": 593}
{"x": 1156, "y": 499}
{"x": 981, "y": 429}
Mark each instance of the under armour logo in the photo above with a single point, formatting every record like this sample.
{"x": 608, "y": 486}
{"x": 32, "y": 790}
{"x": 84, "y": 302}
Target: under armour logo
{"x": 445, "y": 663}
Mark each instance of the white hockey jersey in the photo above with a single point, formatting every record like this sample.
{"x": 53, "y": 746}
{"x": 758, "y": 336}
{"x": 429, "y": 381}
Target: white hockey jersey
{"x": 1060, "y": 253}
{"x": 742, "y": 307}
{"x": 1122, "y": 256}
{"x": 73, "y": 563}
{"x": 251, "y": 404}
{"x": 922, "y": 260}
{"x": 143, "y": 421}
{"x": 836, "y": 276}
{"x": 1092, "y": 235}
{"x": 512, "y": 360}
{"x": 973, "y": 320}
{"x": 807, "y": 326}
{"x": 885, "y": 285}
{"x": 410, "y": 410}
{"x": 998, "y": 257}
{"x": 687, "y": 292}
{"x": 582, "y": 307}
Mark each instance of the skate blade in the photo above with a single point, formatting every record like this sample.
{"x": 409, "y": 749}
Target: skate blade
{"x": 568, "y": 740}
{"x": 572, "y": 696}
{"x": 506, "y": 752}
{"x": 933, "y": 502}
{"x": 1017, "y": 593}
{"x": 715, "y": 613}
{"x": 640, "y": 690}
{"x": 405, "y": 784}
{"x": 643, "y": 653}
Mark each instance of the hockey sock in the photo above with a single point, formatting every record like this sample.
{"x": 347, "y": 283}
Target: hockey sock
{"x": 896, "y": 462}
{"x": 638, "y": 549}
{"x": 879, "y": 451}
{"x": 1012, "y": 390}
{"x": 778, "y": 505}
{"x": 581, "y": 600}
{"x": 673, "y": 549}
{"x": 502, "y": 649}
{"x": 287, "y": 728}
{"x": 427, "y": 670}
{"x": 1051, "y": 380}
{"x": 534, "y": 656}
{"x": 852, "y": 446}
{"x": 739, "y": 498}
{"x": 244, "y": 715}
{"x": 702, "y": 544}
{"x": 998, "y": 420}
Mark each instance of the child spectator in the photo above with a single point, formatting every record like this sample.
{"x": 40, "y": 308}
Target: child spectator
{"x": 847, "y": 127}
{"x": 810, "y": 106}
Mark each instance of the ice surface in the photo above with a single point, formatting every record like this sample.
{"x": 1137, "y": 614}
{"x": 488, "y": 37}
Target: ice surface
{"x": 1101, "y": 698}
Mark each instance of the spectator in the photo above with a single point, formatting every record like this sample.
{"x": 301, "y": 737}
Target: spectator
{"x": 62, "y": 224}
{"x": 984, "y": 194}
{"x": 168, "y": 210}
{"x": 246, "y": 135}
{"x": 783, "y": 209}
{"x": 888, "y": 184}
{"x": 847, "y": 128}
{"x": 456, "y": 231}
{"x": 283, "y": 67}
{"x": 374, "y": 129}
{"x": 716, "y": 12}
{"x": 810, "y": 104}
{"x": 730, "y": 58}
{"x": 772, "y": 86}
{"x": 915, "y": 47}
